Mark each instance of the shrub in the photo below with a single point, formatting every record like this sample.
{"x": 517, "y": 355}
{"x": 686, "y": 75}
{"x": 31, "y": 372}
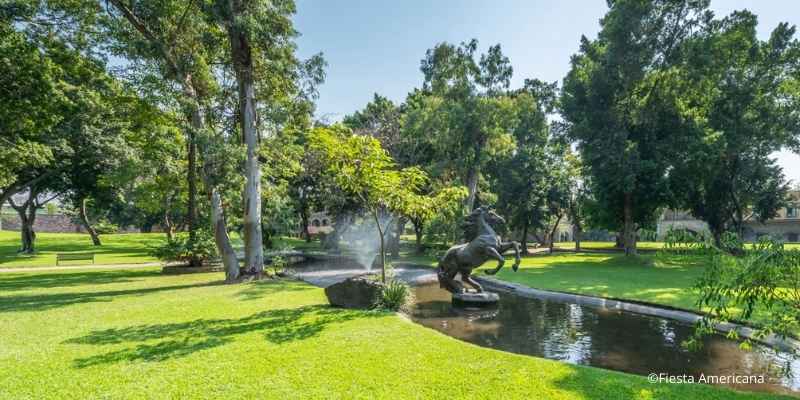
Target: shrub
{"x": 104, "y": 227}
{"x": 395, "y": 296}
{"x": 182, "y": 249}
{"x": 278, "y": 266}
{"x": 759, "y": 285}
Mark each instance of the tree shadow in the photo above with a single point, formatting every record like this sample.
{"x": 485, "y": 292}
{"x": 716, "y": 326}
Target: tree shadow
{"x": 41, "y": 302}
{"x": 26, "y": 280}
{"x": 182, "y": 339}
{"x": 259, "y": 289}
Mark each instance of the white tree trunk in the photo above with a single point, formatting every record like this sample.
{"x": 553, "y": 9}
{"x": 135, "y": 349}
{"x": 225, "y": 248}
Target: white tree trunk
{"x": 253, "y": 249}
{"x": 241, "y": 56}
{"x": 221, "y": 238}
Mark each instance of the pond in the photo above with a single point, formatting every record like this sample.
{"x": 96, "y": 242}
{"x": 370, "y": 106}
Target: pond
{"x": 611, "y": 339}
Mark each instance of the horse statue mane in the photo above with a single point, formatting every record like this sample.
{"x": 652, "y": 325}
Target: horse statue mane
{"x": 471, "y": 224}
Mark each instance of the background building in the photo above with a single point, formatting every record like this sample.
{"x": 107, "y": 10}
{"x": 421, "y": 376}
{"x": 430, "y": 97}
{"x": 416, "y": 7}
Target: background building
{"x": 785, "y": 225}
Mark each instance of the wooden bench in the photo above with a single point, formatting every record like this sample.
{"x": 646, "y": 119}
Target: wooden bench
{"x": 74, "y": 257}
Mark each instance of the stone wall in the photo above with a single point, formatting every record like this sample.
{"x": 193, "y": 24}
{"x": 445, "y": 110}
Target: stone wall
{"x": 57, "y": 223}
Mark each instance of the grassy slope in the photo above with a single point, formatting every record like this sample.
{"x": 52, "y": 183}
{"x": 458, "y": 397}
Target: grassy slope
{"x": 137, "y": 334}
{"x": 116, "y": 249}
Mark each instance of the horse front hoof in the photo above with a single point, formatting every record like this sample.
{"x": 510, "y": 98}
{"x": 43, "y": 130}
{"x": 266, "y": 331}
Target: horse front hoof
{"x": 515, "y": 267}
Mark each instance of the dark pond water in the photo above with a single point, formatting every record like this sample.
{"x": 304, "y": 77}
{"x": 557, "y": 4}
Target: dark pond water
{"x": 615, "y": 340}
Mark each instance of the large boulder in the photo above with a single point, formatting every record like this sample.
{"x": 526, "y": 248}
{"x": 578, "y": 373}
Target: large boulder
{"x": 356, "y": 292}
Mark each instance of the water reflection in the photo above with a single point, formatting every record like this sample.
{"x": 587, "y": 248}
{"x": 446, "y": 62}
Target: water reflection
{"x": 603, "y": 338}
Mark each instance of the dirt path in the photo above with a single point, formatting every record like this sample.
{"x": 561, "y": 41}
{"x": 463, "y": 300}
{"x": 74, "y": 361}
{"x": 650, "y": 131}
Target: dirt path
{"x": 74, "y": 267}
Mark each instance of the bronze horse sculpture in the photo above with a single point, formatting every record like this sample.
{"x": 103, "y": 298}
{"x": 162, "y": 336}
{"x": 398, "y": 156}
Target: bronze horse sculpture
{"x": 483, "y": 244}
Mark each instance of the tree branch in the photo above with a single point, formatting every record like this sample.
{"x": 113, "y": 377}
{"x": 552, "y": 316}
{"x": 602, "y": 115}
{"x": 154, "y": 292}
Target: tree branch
{"x": 148, "y": 34}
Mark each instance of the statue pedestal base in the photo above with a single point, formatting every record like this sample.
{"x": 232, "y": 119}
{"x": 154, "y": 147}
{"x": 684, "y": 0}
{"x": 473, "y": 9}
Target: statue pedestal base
{"x": 476, "y": 300}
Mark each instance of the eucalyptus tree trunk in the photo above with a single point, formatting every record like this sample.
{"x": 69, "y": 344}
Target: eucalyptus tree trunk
{"x": 87, "y": 224}
{"x": 218, "y": 223}
{"x": 191, "y": 180}
{"x": 222, "y": 239}
{"x": 241, "y": 54}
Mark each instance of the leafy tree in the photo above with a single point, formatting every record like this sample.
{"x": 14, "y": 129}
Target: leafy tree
{"x": 462, "y": 110}
{"x": 746, "y": 98}
{"x": 87, "y": 132}
{"x": 622, "y": 104}
{"x": 421, "y": 208}
{"x": 521, "y": 180}
{"x": 30, "y": 99}
{"x": 381, "y": 119}
{"x": 176, "y": 42}
{"x": 360, "y": 167}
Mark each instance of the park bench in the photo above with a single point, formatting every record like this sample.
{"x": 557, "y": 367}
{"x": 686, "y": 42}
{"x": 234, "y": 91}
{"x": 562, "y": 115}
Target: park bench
{"x": 74, "y": 257}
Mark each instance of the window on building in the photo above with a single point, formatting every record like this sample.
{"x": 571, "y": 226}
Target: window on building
{"x": 315, "y": 223}
{"x": 324, "y": 222}
{"x": 791, "y": 212}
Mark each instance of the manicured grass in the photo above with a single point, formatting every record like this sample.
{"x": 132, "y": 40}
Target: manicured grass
{"x": 644, "y": 278}
{"x": 138, "y": 334}
{"x": 608, "y": 245}
{"x": 124, "y": 248}
{"x": 128, "y": 248}
{"x": 296, "y": 244}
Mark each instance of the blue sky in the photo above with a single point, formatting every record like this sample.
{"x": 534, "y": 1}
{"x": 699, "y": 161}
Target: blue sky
{"x": 376, "y": 46}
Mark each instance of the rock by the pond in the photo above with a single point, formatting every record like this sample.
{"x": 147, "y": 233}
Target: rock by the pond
{"x": 477, "y": 300}
{"x": 355, "y": 292}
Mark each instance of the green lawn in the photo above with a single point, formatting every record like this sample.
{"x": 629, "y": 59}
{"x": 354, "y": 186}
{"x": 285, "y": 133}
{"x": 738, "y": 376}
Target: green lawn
{"x": 124, "y": 248}
{"x": 643, "y": 278}
{"x": 139, "y": 334}
{"x": 608, "y": 245}
{"x": 128, "y": 248}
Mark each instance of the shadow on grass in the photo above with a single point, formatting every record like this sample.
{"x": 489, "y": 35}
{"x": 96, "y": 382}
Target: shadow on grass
{"x": 42, "y": 302}
{"x": 182, "y": 339}
{"x": 25, "y": 281}
{"x": 259, "y": 289}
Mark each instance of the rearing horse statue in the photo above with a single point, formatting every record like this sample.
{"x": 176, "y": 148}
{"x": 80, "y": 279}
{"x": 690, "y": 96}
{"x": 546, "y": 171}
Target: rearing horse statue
{"x": 483, "y": 244}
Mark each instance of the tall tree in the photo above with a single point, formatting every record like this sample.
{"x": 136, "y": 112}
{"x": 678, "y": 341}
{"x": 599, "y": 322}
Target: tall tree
{"x": 176, "y": 39}
{"x": 521, "y": 179}
{"x": 746, "y": 99}
{"x": 464, "y": 111}
{"x": 241, "y": 23}
{"x": 30, "y": 100}
{"x": 621, "y": 101}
